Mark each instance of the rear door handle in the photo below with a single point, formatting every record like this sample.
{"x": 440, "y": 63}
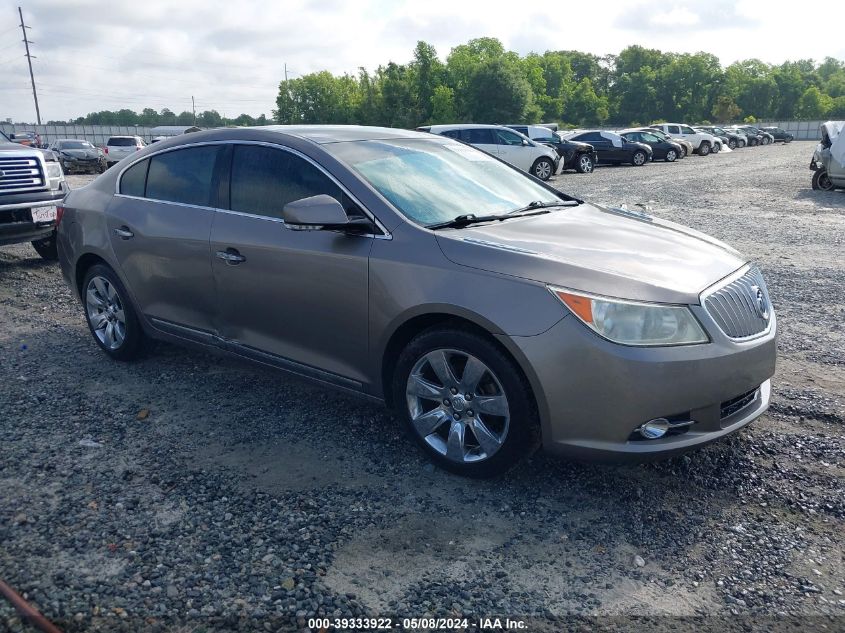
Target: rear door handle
{"x": 124, "y": 233}
{"x": 231, "y": 256}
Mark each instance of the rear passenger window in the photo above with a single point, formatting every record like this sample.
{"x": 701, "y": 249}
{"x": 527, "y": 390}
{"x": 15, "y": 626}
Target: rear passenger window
{"x": 673, "y": 129}
{"x": 264, "y": 180}
{"x": 479, "y": 136}
{"x": 452, "y": 133}
{"x": 183, "y": 175}
{"x": 134, "y": 179}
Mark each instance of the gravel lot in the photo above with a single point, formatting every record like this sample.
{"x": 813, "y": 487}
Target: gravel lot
{"x": 192, "y": 492}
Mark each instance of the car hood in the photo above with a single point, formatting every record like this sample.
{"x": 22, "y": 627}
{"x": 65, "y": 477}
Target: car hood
{"x": 611, "y": 252}
{"x": 81, "y": 153}
{"x": 23, "y": 150}
{"x": 578, "y": 145}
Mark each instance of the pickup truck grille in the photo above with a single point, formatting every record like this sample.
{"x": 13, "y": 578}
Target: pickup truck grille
{"x": 19, "y": 174}
{"x": 741, "y": 309}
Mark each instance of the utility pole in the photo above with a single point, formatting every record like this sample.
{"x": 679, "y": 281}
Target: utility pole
{"x": 194, "y": 108}
{"x": 26, "y": 42}
{"x": 286, "y": 72}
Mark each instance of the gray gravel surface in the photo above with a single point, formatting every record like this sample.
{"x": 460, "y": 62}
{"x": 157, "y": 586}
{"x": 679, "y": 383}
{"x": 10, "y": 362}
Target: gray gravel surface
{"x": 192, "y": 492}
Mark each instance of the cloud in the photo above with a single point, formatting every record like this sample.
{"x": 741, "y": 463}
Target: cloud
{"x": 230, "y": 56}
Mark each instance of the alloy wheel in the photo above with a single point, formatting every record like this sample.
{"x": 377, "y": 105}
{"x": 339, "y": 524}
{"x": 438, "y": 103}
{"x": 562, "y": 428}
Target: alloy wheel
{"x": 639, "y": 159}
{"x": 586, "y": 164}
{"x": 457, "y": 406}
{"x": 104, "y": 308}
{"x": 543, "y": 170}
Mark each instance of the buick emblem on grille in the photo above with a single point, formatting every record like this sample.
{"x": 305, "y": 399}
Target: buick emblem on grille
{"x": 761, "y": 304}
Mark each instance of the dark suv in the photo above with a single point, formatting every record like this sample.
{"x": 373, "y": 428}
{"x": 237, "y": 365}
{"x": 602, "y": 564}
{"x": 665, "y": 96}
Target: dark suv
{"x": 779, "y": 134}
{"x": 31, "y": 184}
{"x": 575, "y": 155}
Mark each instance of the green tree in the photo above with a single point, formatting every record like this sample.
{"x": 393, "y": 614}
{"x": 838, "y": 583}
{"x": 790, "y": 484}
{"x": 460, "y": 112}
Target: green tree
{"x": 725, "y": 109}
{"x": 837, "y": 108}
{"x": 427, "y": 73}
{"x": 498, "y": 93}
{"x": 814, "y": 104}
{"x": 586, "y": 107}
{"x": 443, "y": 105}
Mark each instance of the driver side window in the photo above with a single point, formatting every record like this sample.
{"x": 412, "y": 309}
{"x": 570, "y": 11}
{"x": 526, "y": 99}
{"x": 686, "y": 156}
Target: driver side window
{"x": 504, "y": 137}
{"x": 265, "y": 179}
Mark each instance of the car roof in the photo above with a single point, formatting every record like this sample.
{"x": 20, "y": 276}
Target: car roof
{"x": 469, "y": 126}
{"x": 59, "y": 140}
{"x": 340, "y": 133}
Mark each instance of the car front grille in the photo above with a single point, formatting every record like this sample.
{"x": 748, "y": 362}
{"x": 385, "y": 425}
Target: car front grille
{"x": 729, "y": 407}
{"x": 20, "y": 174}
{"x": 741, "y": 308}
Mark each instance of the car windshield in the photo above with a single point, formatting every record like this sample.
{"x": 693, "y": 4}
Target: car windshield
{"x": 75, "y": 145}
{"x": 437, "y": 180}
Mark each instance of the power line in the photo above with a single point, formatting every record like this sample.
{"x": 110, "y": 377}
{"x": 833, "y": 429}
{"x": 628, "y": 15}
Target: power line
{"x": 26, "y": 43}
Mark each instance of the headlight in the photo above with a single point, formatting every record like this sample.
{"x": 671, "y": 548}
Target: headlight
{"x": 634, "y": 323}
{"x": 54, "y": 174}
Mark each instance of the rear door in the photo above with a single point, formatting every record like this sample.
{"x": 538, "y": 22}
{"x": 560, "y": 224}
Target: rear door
{"x": 482, "y": 138}
{"x": 293, "y": 298}
{"x": 159, "y": 226}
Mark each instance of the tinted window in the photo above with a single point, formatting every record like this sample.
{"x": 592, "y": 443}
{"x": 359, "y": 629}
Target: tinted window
{"x": 506, "y": 137}
{"x": 479, "y": 136}
{"x": 121, "y": 142}
{"x": 687, "y": 130}
{"x": 520, "y": 128}
{"x": 133, "y": 180}
{"x": 673, "y": 129}
{"x": 452, "y": 133}
{"x": 183, "y": 175}
{"x": 264, "y": 180}
{"x": 589, "y": 136}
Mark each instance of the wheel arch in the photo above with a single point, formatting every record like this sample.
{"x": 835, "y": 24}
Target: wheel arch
{"x": 408, "y": 328}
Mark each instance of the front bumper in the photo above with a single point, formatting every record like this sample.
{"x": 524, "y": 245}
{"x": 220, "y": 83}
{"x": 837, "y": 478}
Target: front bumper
{"x": 16, "y": 225}
{"x": 592, "y": 393}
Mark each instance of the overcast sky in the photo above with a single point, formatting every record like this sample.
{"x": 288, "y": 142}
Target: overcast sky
{"x": 230, "y": 55}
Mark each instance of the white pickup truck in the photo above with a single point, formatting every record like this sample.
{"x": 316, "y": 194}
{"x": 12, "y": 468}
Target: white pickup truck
{"x": 702, "y": 142}
{"x": 31, "y": 185}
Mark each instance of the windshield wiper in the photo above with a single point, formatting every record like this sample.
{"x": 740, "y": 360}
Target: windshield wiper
{"x": 533, "y": 208}
{"x": 461, "y": 221}
{"x": 539, "y": 204}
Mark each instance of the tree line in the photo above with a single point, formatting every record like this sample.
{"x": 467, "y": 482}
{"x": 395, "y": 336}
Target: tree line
{"x": 149, "y": 117}
{"x": 482, "y": 82}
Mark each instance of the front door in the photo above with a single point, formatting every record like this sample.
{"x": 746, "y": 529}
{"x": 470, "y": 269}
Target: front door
{"x": 159, "y": 226}
{"x": 513, "y": 151}
{"x": 296, "y": 296}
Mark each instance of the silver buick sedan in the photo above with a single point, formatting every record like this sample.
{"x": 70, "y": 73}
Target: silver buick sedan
{"x": 494, "y": 313}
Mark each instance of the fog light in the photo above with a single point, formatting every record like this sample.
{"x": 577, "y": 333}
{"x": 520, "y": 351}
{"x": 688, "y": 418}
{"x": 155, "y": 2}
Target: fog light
{"x": 654, "y": 429}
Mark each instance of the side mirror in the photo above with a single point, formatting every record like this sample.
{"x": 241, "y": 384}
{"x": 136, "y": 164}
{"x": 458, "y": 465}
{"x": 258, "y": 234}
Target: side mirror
{"x": 525, "y": 142}
{"x": 320, "y": 212}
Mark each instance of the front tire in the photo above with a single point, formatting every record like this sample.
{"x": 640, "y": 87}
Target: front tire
{"x": 47, "y": 247}
{"x": 822, "y": 181}
{"x": 732, "y": 144}
{"x": 671, "y": 156}
{"x": 110, "y": 315}
{"x": 543, "y": 168}
{"x": 585, "y": 164}
{"x": 465, "y": 402}
{"x": 717, "y": 147}
{"x": 704, "y": 148}
{"x": 639, "y": 158}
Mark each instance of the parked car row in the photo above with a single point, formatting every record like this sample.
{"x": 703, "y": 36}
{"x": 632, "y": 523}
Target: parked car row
{"x": 526, "y": 146}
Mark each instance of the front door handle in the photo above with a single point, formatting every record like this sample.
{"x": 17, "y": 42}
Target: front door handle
{"x": 231, "y": 256}
{"x": 124, "y": 233}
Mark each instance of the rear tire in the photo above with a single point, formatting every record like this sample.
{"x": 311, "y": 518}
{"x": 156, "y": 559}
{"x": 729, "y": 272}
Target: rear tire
{"x": 440, "y": 404}
{"x": 110, "y": 315}
{"x": 47, "y": 247}
{"x": 543, "y": 169}
{"x": 822, "y": 181}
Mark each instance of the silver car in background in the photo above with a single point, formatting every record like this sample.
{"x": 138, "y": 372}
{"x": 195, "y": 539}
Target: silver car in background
{"x": 491, "y": 311}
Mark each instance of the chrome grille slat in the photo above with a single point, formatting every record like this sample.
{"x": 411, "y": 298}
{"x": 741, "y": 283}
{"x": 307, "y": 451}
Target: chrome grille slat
{"x": 734, "y": 306}
{"x": 21, "y": 174}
